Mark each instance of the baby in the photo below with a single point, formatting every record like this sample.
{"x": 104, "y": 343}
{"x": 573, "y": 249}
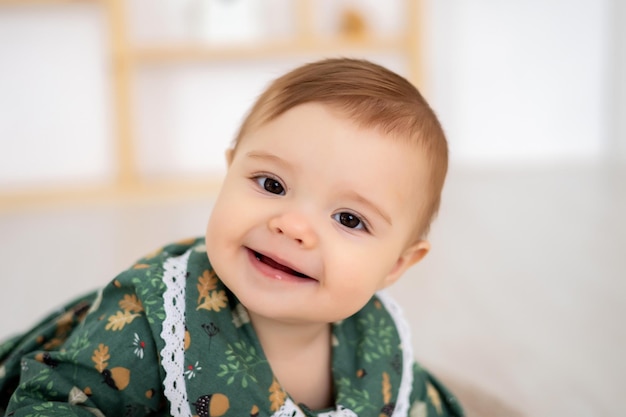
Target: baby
{"x": 332, "y": 183}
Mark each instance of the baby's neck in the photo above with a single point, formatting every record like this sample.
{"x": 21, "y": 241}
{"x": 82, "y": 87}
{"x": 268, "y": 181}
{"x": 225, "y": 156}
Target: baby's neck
{"x": 300, "y": 358}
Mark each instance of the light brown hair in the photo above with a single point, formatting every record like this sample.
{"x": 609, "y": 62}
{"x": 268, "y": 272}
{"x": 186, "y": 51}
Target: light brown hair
{"x": 372, "y": 97}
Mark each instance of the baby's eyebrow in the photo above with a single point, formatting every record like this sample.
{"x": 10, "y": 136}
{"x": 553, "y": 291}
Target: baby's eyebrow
{"x": 353, "y": 195}
{"x": 267, "y": 156}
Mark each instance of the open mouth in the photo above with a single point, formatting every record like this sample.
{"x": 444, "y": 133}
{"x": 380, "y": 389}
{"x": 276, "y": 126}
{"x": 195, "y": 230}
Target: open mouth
{"x": 272, "y": 263}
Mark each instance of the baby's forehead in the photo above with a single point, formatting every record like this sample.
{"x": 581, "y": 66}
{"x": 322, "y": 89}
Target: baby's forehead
{"x": 338, "y": 110}
{"x": 330, "y": 137}
{"x": 414, "y": 158}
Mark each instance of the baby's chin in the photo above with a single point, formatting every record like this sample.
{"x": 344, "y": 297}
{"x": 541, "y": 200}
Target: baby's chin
{"x": 310, "y": 314}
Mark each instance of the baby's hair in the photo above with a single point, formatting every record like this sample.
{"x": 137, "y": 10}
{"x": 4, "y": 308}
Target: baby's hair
{"x": 372, "y": 97}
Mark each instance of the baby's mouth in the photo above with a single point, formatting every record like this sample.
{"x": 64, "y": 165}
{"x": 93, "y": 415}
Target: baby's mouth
{"x": 270, "y": 262}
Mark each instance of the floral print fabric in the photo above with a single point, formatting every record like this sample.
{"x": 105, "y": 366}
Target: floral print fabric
{"x": 101, "y": 355}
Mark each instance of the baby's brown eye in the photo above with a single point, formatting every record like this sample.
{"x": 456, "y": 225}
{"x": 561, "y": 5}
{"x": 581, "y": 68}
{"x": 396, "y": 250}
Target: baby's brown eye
{"x": 349, "y": 220}
{"x": 271, "y": 185}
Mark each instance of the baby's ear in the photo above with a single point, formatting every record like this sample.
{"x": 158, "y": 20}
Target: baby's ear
{"x": 409, "y": 257}
{"x": 230, "y": 153}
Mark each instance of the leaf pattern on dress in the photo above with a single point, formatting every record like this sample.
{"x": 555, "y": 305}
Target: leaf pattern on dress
{"x": 358, "y": 400}
{"x": 131, "y": 303}
{"x": 100, "y": 357}
{"x": 378, "y": 340}
{"x": 149, "y": 287}
{"x": 242, "y": 360}
{"x": 386, "y": 388}
{"x": 434, "y": 397}
{"x": 208, "y": 297}
{"x": 206, "y": 282}
{"x": 277, "y": 395}
{"x": 119, "y": 320}
{"x": 216, "y": 300}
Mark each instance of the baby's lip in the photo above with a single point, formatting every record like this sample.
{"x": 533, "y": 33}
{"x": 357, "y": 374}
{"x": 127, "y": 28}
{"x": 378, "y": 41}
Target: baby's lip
{"x": 278, "y": 263}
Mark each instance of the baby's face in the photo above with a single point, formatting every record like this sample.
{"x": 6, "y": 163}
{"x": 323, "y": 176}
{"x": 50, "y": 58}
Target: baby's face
{"x": 315, "y": 215}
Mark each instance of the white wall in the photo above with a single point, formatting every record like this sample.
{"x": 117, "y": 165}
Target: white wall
{"x": 521, "y": 81}
{"x": 617, "y": 87}
{"x": 55, "y": 123}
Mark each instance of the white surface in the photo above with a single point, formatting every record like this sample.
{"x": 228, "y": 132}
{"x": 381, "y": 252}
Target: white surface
{"x": 524, "y": 291}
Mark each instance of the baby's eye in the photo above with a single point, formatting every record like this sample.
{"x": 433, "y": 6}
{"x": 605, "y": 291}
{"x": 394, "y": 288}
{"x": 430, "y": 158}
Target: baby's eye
{"x": 350, "y": 220}
{"x": 270, "y": 185}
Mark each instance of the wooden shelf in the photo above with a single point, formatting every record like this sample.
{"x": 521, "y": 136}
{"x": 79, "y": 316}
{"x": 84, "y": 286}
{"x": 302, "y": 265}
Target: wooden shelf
{"x": 180, "y": 53}
{"x": 126, "y": 57}
{"x": 100, "y": 194}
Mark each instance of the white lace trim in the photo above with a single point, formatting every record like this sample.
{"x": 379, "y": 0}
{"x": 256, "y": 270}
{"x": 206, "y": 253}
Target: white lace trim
{"x": 401, "y": 408}
{"x": 173, "y": 333}
{"x": 290, "y": 409}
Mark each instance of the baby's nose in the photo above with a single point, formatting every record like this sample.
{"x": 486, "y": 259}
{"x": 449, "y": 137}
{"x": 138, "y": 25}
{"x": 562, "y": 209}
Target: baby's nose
{"x": 295, "y": 226}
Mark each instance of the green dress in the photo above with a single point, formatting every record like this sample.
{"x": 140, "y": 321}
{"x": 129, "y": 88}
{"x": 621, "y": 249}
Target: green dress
{"x": 166, "y": 337}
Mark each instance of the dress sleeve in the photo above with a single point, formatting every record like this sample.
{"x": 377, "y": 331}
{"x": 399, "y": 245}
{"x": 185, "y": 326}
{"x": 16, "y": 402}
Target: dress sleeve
{"x": 430, "y": 398}
{"x": 96, "y": 358}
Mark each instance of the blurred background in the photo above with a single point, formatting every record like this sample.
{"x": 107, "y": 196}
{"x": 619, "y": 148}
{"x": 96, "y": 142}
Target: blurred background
{"x": 115, "y": 114}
